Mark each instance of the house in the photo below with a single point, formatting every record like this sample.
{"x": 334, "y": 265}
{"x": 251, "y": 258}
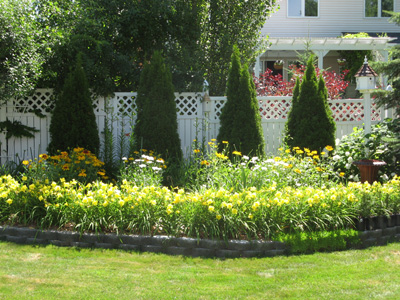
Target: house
{"x": 320, "y": 24}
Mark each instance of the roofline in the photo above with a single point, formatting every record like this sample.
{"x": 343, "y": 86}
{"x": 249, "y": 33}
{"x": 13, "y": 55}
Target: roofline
{"x": 331, "y": 43}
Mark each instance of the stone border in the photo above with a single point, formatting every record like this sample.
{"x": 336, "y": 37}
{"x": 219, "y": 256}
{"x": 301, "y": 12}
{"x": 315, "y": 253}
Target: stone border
{"x": 172, "y": 245}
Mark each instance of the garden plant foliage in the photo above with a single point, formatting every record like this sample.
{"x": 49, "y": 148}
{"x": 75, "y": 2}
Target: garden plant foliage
{"x": 248, "y": 198}
{"x": 310, "y": 123}
{"x": 157, "y": 126}
{"x": 73, "y": 123}
{"x": 240, "y": 119}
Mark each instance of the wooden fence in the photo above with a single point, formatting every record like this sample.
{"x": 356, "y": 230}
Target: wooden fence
{"x": 198, "y": 118}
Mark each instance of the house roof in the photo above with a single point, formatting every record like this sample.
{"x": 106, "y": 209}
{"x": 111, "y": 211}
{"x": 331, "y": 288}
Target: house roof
{"x": 331, "y": 43}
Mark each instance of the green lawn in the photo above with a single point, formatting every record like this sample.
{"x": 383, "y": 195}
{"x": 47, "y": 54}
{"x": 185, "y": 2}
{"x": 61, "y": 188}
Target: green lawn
{"x": 35, "y": 272}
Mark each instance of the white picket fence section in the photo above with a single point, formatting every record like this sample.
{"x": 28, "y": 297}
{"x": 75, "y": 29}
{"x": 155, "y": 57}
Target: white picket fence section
{"x": 198, "y": 118}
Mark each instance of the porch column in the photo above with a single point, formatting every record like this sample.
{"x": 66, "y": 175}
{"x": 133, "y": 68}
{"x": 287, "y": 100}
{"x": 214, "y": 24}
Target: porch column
{"x": 321, "y": 54}
{"x": 385, "y": 58}
{"x": 257, "y": 67}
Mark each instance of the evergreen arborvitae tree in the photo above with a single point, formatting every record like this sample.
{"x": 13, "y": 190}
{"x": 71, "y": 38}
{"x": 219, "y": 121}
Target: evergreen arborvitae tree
{"x": 157, "y": 125}
{"x": 73, "y": 123}
{"x": 240, "y": 117}
{"x": 310, "y": 123}
{"x": 290, "y": 126}
{"x": 229, "y": 110}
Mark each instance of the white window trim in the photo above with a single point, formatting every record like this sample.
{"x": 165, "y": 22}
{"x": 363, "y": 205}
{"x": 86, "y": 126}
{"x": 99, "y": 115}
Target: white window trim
{"x": 379, "y": 10}
{"x": 303, "y": 10}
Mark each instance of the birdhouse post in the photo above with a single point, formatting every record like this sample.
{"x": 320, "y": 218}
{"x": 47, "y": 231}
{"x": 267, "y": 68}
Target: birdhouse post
{"x": 366, "y": 83}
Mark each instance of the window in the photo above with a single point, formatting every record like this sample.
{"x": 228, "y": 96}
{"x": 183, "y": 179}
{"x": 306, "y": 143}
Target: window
{"x": 376, "y": 8}
{"x": 303, "y": 8}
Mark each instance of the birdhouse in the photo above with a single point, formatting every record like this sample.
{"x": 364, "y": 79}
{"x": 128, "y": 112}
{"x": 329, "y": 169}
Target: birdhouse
{"x": 366, "y": 77}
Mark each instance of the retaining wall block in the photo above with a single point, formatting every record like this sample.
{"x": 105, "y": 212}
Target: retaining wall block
{"x": 60, "y": 243}
{"x": 224, "y": 253}
{"x": 187, "y": 242}
{"x": 211, "y": 244}
{"x": 173, "y": 250}
{"x": 36, "y": 241}
{"x": 280, "y": 246}
{"x": 91, "y": 238}
{"x": 161, "y": 240}
{"x": 276, "y": 252}
{"x": 104, "y": 245}
{"x": 364, "y": 235}
{"x": 135, "y": 239}
{"x": 383, "y": 240}
{"x": 262, "y": 245}
{"x": 397, "y": 237}
{"x": 369, "y": 243}
{"x": 16, "y": 239}
{"x": 81, "y": 245}
{"x": 112, "y": 239}
{"x": 397, "y": 229}
{"x": 129, "y": 247}
{"x": 203, "y": 252}
{"x": 153, "y": 248}
{"x": 239, "y": 245}
{"x": 390, "y": 231}
{"x": 252, "y": 253}
{"x": 377, "y": 233}
{"x": 69, "y": 236}
{"x": 47, "y": 234}
{"x": 26, "y": 232}
{"x": 3, "y": 237}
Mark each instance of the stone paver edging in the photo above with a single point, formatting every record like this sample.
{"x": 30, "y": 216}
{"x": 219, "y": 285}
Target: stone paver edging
{"x": 172, "y": 245}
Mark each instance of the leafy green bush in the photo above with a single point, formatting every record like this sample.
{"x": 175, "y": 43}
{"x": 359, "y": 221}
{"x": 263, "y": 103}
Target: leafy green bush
{"x": 374, "y": 145}
{"x": 73, "y": 123}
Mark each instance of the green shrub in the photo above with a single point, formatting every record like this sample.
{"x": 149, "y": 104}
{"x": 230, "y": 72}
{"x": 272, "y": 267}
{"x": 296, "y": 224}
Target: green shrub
{"x": 374, "y": 145}
{"x": 240, "y": 117}
{"x": 73, "y": 123}
{"x": 157, "y": 126}
{"x": 310, "y": 123}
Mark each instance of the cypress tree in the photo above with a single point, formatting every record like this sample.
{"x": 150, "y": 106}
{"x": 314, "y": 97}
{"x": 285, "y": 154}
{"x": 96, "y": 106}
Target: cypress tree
{"x": 229, "y": 110}
{"x": 157, "y": 125}
{"x": 310, "y": 123}
{"x": 240, "y": 118}
{"x": 73, "y": 123}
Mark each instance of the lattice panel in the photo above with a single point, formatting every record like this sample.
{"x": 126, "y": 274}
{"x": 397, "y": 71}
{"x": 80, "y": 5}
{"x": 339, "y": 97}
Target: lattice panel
{"x": 352, "y": 111}
{"x": 274, "y": 109}
{"x": 186, "y": 105}
{"x": 126, "y": 105}
{"x": 218, "y": 104}
{"x": 40, "y": 101}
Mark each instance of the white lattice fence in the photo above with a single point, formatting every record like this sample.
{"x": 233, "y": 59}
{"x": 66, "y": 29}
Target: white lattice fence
{"x": 197, "y": 119}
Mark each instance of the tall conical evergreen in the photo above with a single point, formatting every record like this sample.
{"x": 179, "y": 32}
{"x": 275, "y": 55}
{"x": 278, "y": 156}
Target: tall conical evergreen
{"x": 310, "y": 123}
{"x": 290, "y": 126}
{"x": 157, "y": 125}
{"x": 240, "y": 118}
{"x": 232, "y": 94}
{"x": 73, "y": 123}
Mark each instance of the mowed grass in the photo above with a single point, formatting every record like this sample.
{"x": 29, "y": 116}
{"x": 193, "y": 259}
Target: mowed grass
{"x": 38, "y": 272}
